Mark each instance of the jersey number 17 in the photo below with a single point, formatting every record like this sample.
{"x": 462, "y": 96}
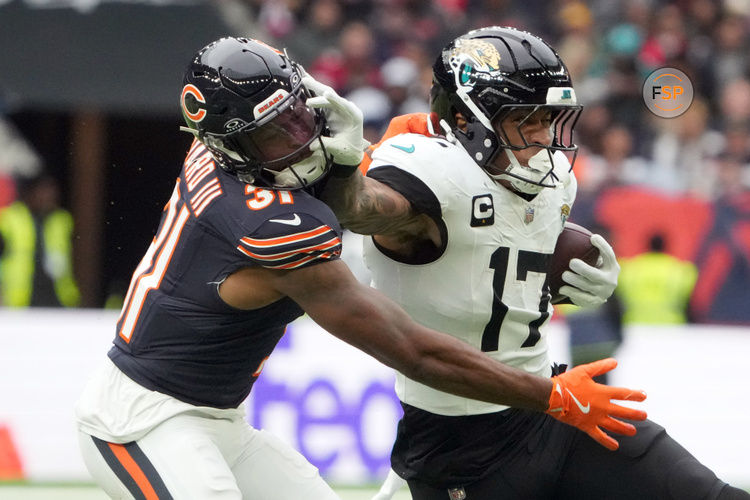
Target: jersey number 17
{"x": 527, "y": 261}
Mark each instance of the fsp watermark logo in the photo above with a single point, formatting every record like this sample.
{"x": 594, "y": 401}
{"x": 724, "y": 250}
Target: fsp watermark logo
{"x": 667, "y": 92}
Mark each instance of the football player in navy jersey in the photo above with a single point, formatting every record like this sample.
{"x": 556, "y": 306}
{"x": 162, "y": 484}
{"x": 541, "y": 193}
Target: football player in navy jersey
{"x": 244, "y": 247}
{"x": 466, "y": 213}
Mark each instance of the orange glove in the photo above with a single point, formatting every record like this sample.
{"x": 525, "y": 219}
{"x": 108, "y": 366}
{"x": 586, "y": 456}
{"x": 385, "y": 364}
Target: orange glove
{"x": 579, "y": 401}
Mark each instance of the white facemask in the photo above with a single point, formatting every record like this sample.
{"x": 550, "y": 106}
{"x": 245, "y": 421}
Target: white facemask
{"x": 540, "y": 165}
{"x": 307, "y": 171}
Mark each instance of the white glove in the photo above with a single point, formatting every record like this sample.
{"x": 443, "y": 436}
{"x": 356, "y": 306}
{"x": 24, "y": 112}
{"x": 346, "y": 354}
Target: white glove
{"x": 346, "y": 144}
{"x": 391, "y": 485}
{"x": 589, "y": 286}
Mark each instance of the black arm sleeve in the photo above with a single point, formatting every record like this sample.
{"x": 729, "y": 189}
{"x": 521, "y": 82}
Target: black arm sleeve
{"x": 419, "y": 195}
{"x": 424, "y": 201}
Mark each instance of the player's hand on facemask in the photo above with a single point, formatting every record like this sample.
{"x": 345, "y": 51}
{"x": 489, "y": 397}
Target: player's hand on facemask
{"x": 579, "y": 401}
{"x": 589, "y": 286}
{"x": 345, "y": 121}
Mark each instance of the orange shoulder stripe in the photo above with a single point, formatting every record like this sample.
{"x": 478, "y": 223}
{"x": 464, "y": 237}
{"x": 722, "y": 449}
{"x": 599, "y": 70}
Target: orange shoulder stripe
{"x": 270, "y": 242}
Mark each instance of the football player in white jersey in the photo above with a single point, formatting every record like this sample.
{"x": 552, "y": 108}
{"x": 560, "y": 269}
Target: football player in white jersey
{"x": 466, "y": 214}
{"x": 244, "y": 247}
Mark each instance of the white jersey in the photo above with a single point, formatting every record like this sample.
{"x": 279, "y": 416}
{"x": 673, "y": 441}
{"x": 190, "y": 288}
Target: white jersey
{"x": 488, "y": 286}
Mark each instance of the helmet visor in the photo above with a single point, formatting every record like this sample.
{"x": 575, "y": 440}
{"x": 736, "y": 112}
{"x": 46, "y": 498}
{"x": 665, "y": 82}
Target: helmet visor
{"x": 283, "y": 139}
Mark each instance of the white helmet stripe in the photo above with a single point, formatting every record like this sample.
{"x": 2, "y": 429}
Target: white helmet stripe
{"x": 460, "y": 92}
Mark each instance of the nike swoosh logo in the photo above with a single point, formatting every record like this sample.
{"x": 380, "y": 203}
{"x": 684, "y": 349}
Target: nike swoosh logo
{"x": 410, "y": 149}
{"x": 584, "y": 409}
{"x": 294, "y": 221}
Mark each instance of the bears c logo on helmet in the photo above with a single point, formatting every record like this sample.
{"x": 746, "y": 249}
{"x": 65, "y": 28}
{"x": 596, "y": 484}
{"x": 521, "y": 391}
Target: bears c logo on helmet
{"x": 194, "y": 94}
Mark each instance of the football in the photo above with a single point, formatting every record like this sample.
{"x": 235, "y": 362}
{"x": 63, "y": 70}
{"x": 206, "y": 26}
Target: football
{"x": 574, "y": 242}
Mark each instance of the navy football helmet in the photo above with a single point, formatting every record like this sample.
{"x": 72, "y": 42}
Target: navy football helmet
{"x": 245, "y": 101}
{"x": 494, "y": 73}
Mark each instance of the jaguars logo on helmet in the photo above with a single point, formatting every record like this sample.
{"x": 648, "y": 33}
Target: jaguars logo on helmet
{"x": 473, "y": 60}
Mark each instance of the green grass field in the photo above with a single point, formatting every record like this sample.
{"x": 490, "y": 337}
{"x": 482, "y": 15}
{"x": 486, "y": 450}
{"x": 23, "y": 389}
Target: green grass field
{"x": 89, "y": 492}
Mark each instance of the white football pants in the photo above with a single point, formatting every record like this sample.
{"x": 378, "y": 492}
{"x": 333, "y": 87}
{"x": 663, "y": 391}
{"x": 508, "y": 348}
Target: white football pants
{"x": 192, "y": 457}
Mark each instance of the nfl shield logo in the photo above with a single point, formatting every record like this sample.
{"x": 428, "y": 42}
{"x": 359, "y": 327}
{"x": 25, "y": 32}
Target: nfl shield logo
{"x": 456, "y": 493}
{"x": 564, "y": 212}
{"x": 529, "y": 215}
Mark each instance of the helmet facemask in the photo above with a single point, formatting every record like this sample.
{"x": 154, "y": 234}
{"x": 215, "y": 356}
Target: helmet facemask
{"x": 274, "y": 151}
{"x": 486, "y": 75}
{"x": 245, "y": 101}
{"x": 531, "y": 140}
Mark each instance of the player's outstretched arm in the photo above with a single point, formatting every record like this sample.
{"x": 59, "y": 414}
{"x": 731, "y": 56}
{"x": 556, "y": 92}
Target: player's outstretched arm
{"x": 579, "y": 401}
{"x": 368, "y": 320}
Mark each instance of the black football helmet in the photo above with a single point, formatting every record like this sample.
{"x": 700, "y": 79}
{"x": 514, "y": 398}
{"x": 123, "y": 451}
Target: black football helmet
{"x": 493, "y": 73}
{"x": 245, "y": 101}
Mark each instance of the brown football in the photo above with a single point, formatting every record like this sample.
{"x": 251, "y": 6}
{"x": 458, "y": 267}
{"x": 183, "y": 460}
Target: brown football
{"x": 574, "y": 242}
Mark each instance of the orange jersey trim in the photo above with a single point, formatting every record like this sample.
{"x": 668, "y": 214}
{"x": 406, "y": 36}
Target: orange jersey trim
{"x": 279, "y": 256}
{"x": 270, "y": 242}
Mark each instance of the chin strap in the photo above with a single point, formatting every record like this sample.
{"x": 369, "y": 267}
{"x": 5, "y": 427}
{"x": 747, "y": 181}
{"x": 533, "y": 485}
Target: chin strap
{"x": 448, "y": 131}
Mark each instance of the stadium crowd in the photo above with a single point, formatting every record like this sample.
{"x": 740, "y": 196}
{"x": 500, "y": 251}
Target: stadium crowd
{"x": 379, "y": 55}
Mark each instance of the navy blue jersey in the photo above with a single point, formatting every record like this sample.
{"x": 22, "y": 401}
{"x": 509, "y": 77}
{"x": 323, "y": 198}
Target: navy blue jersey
{"x": 175, "y": 335}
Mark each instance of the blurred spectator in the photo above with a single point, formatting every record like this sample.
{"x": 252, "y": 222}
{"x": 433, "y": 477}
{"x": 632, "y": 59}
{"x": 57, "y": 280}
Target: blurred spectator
{"x": 241, "y": 17}
{"x": 276, "y": 17}
{"x": 401, "y": 81}
{"x": 616, "y": 165}
{"x": 7, "y": 190}
{"x": 655, "y": 287}
{"x": 729, "y": 58}
{"x": 737, "y": 141}
{"x": 591, "y": 125}
{"x": 732, "y": 175}
{"x": 318, "y": 31}
{"x": 701, "y": 51}
{"x": 577, "y": 44}
{"x": 683, "y": 152}
{"x": 352, "y": 63}
{"x": 722, "y": 292}
{"x": 625, "y": 97}
{"x": 734, "y": 101}
{"x": 36, "y": 265}
{"x": 376, "y": 109}
{"x": 667, "y": 40}
{"x": 116, "y": 292}
{"x": 17, "y": 159}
